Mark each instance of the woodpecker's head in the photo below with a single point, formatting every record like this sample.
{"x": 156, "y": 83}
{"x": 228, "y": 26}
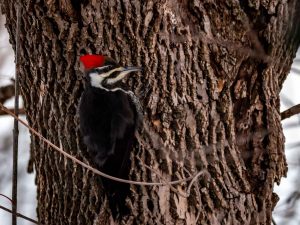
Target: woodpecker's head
{"x": 103, "y": 72}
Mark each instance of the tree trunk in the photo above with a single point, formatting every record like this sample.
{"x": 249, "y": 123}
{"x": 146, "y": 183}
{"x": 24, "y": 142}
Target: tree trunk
{"x": 210, "y": 88}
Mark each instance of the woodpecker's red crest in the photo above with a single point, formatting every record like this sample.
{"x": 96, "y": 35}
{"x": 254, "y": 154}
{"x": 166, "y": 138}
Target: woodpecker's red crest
{"x": 92, "y": 61}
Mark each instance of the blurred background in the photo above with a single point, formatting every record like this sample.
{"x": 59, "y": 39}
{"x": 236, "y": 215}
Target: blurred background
{"x": 287, "y": 211}
{"x": 26, "y": 184}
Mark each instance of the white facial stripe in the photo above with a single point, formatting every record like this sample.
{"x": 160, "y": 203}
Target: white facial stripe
{"x": 107, "y": 74}
{"x": 119, "y": 77}
{"x": 102, "y": 67}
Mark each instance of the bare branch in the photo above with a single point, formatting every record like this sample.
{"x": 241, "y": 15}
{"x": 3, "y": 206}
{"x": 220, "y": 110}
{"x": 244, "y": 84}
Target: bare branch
{"x": 290, "y": 112}
{"x": 21, "y": 111}
{"x": 19, "y": 215}
{"x": 95, "y": 171}
{"x": 7, "y": 198}
{"x": 188, "y": 192}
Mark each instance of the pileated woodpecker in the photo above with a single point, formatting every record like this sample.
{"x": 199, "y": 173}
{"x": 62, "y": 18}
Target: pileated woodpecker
{"x": 109, "y": 117}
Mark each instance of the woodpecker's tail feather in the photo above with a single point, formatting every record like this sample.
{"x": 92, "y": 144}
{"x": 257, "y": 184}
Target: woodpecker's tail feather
{"x": 117, "y": 194}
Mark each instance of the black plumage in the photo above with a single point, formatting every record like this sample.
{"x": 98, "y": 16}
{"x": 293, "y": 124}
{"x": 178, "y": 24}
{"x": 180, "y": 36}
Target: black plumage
{"x": 107, "y": 119}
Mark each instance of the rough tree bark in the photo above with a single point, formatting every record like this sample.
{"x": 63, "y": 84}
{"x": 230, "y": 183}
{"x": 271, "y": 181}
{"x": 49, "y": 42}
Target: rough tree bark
{"x": 213, "y": 71}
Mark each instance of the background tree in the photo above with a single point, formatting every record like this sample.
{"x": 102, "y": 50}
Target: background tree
{"x": 213, "y": 71}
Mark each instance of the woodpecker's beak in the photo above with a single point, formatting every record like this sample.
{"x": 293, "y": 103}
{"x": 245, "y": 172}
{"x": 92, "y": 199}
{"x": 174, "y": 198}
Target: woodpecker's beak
{"x": 132, "y": 69}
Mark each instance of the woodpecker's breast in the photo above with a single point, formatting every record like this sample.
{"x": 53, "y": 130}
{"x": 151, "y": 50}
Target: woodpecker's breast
{"x": 100, "y": 107}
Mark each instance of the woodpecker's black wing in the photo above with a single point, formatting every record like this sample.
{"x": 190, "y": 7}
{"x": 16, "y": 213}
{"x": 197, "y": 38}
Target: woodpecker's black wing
{"x": 118, "y": 164}
{"x": 107, "y": 121}
{"x": 95, "y": 116}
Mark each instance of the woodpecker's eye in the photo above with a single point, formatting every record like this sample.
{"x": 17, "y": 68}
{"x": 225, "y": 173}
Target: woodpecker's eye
{"x": 114, "y": 74}
{"x": 98, "y": 70}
